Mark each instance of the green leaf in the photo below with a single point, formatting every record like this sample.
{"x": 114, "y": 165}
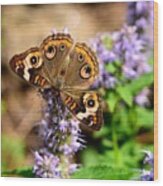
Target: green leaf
{"x": 131, "y": 153}
{"x": 112, "y": 99}
{"x": 125, "y": 94}
{"x": 104, "y": 172}
{"x": 118, "y": 63}
{"x": 103, "y": 132}
{"x": 89, "y": 157}
{"x": 128, "y": 91}
{"x": 111, "y": 68}
{"x": 145, "y": 117}
{"x": 107, "y": 143}
{"x": 138, "y": 84}
{"x": 125, "y": 126}
{"x": 23, "y": 172}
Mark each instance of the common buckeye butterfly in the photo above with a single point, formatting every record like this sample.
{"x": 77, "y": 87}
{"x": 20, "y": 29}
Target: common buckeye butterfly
{"x": 68, "y": 67}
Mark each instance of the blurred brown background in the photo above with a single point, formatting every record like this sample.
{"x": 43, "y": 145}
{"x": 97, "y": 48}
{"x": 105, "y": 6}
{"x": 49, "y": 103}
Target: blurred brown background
{"x": 24, "y": 26}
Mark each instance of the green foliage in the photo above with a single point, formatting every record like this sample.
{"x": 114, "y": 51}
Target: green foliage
{"x": 117, "y": 153}
{"x": 111, "y": 67}
{"x": 104, "y": 172}
{"x": 23, "y": 172}
{"x": 112, "y": 100}
{"x": 145, "y": 117}
{"x": 125, "y": 94}
{"x": 13, "y": 152}
{"x": 90, "y": 157}
{"x": 138, "y": 84}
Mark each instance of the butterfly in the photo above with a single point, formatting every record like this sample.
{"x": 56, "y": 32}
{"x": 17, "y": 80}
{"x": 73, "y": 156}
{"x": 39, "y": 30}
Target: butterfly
{"x": 68, "y": 67}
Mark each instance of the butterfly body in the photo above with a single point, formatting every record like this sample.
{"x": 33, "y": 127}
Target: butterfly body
{"x": 67, "y": 67}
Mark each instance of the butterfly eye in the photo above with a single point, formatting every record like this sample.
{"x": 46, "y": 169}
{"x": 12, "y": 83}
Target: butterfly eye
{"x": 50, "y": 52}
{"x": 85, "y": 71}
{"x": 35, "y": 61}
{"x": 80, "y": 57}
{"x": 62, "y": 47}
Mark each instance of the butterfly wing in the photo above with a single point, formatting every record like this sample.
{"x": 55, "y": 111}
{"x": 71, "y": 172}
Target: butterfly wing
{"x": 55, "y": 49}
{"x": 40, "y": 66}
{"x": 82, "y": 68}
{"x": 28, "y": 65}
{"x": 85, "y": 106}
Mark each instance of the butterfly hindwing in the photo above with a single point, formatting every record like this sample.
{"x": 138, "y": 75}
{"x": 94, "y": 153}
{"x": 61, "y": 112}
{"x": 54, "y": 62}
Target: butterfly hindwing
{"x": 86, "y": 107}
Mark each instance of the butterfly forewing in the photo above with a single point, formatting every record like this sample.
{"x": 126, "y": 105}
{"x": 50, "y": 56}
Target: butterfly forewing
{"x": 29, "y": 66}
{"x": 83, "y": 67}
{"x": 55, "y": 49}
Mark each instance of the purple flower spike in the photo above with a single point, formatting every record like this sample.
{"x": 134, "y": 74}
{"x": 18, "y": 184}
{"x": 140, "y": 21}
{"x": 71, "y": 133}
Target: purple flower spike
{"x": 141, "y": 15}
{"x": 73, "y": 168}
{"x": 148, "y": 175}
{"x": 149, "y": 159}
{"x": 142, "y": 98}
{"x": 62, "y": 139}
{"x": 46, "y": 164}
{"x": 128, "y": 49}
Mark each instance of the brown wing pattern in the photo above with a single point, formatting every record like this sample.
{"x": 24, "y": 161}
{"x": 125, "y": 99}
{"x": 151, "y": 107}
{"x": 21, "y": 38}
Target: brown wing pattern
{"x": 86, "y": 107}
{"x": 28, "y": 65}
